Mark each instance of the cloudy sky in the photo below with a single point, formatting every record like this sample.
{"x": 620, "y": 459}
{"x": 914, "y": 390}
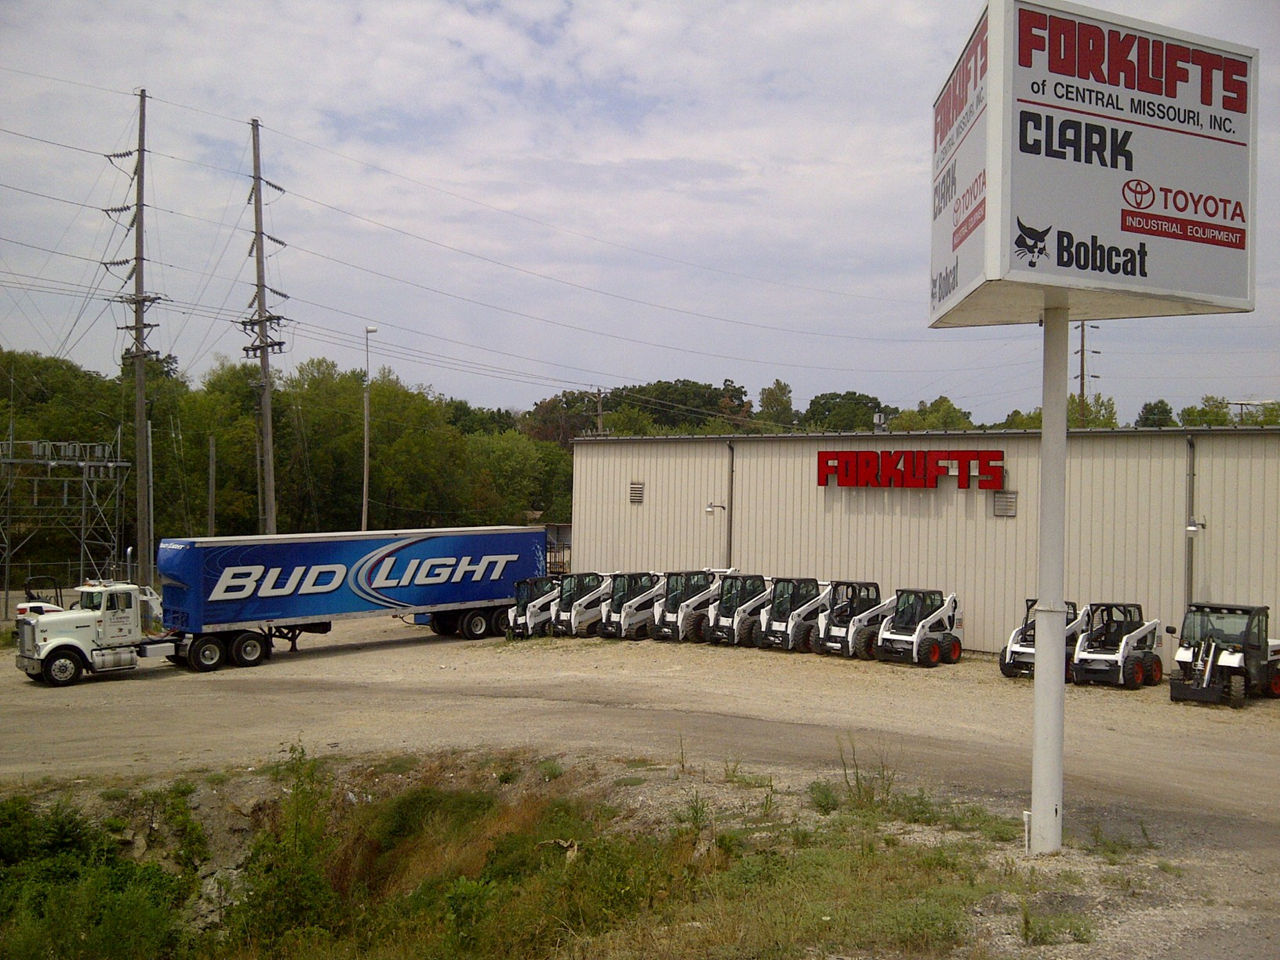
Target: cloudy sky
{"x": 526, "y": 197}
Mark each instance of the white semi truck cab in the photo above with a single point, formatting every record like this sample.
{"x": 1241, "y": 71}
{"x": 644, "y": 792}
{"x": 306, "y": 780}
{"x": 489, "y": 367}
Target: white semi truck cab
{"x": 107, "y": 627}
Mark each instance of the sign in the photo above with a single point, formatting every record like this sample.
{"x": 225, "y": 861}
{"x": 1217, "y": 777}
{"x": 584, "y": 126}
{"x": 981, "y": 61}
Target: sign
{"x": 1107, "y": 158}
{"x": 911, "y": 468}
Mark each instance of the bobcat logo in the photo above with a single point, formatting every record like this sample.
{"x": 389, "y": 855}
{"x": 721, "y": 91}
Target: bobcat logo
{"x": 1030, "y": 243}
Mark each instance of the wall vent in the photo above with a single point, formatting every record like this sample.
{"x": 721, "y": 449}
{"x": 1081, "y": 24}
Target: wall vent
{"x": 637, "y": 491}
{"x": 1004, "y": 503}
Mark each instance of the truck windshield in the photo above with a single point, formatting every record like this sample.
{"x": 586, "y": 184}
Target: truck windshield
{"x": 1220, "y": 626}
{"x": 90, "y": 599}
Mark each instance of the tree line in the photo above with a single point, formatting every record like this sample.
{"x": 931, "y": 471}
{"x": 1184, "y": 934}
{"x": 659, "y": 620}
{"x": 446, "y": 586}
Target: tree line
{"x": 435, "y": 460}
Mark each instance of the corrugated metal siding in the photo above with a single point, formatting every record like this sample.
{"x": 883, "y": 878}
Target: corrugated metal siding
{"x": 1237, "y": 495}
{"x": 1126, "y": 518}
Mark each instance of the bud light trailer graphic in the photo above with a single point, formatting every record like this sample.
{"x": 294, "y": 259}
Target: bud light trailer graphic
{"x": 230, "y": 582}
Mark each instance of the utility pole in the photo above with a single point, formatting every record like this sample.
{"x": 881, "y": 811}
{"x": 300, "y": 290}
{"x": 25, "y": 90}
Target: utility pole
{"x": 1084, "y": 380}
{"x": 139, "y": 354}
{"x": 263, "y": 345}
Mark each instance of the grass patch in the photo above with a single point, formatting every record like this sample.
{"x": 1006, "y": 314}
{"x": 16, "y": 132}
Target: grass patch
{"x": 1045, "y": 929}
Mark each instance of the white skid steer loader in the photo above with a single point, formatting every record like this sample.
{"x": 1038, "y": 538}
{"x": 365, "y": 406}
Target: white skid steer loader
{"x": 1018, "y": 658}
{"x": 1118, "y": 647}
{"x": 925, "y": 628}
{"x": 852, "y": 619}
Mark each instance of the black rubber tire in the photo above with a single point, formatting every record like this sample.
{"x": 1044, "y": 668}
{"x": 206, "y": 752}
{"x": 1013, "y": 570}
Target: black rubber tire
{"x": 1078, "y": 676}
{"x": 62, "y": 668}
{"x": 499, "y": 621}
{"x": 1153, "y": 669}
{"x": 473, "y": 624}
{"x": 249, "y": 649}
{"x": 206, "y": 654}
{"x": 1132, "y": 672}
{"x": 698, "y": 628}
{"x": 444, "y": 623}
{"x": 806, "y": 638}
{"x": 1007, "y": 669}
{"x": 749, "y": 635}
{"x": 1236, "y": 689}
{"x": 864, "y": 642}
{"x": 1271, "y": 682}
{"x": 951, "y": 649}
{"x": 929, "y": 653}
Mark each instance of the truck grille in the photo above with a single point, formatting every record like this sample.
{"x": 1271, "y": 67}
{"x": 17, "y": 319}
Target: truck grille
{"x": 27, "y": 638}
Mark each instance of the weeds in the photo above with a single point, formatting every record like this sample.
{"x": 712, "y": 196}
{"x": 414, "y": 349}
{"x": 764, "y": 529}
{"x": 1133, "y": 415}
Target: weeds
{"x": 824, "y": 797}
{"x": 1039, "y": 930}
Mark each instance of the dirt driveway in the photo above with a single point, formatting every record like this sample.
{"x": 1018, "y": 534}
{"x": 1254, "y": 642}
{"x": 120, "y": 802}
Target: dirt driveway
{"x": 1204, "y": 782}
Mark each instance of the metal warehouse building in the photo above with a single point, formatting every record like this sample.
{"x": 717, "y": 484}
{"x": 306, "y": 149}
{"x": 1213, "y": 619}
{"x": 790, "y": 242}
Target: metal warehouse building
{"x": 1153, "y": 516}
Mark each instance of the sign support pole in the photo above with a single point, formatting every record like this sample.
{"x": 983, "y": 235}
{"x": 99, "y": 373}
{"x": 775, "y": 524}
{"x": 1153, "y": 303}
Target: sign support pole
{"x": 1049, "y": 695}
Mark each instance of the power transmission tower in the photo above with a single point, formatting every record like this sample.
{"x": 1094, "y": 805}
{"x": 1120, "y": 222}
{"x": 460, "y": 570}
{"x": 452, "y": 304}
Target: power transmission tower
{"x": 262, "y": 326}
{"x": 139, "y": 354}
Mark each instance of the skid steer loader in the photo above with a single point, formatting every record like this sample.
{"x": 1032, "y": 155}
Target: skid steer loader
{"x": 627, "y": 610}
{"x": 1118, "y": 647}
{"x": 733, "y": 616}
{"x": 531, "y": 615}
{"x": 1018, "y": 658}
{"x": 925, "y": 628}
{"x": 683, "y": 611}
{"x": 790, "y": 619}
{"x": 1225, "y": 655}
{"x": 849, "y": 624}
{"x": 577, "y": 608}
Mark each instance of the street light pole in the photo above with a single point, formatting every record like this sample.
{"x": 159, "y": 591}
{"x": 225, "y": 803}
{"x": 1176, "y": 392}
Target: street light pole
{"x": 364, "y": 499}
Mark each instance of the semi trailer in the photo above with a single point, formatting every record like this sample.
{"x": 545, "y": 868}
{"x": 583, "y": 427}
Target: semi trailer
{"x": 228, "y": 599}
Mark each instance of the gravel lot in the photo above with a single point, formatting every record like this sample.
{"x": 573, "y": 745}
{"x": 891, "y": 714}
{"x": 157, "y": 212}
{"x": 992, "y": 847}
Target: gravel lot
{"x": 1203, "y": 783}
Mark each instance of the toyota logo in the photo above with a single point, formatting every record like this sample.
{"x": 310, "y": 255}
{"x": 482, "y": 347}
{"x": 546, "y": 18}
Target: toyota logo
{"x": 1138, "y": 194}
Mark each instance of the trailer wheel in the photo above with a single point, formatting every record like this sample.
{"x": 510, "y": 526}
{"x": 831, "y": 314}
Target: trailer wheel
{"x": 1154, "y": 667}
{"x": 444, "y": 623}
{"x": 952, "y": 651}
{"x": 1009, "y": 669}
{"x": 1132, "y": 672}
{"x": 929, "y": 653}
{"x": 62, "y": 668}
{"x": 499, "y": 621}
{"x": 248, "y": 649}
{"x": 1271, "y": 686}
{"x": 205, "y": 654}
{"x": 473, "y": 624}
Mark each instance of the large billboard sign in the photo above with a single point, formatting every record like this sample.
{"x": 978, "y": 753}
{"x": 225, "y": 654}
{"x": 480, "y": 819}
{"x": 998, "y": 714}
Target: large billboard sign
{"x": 1111, "y": 160}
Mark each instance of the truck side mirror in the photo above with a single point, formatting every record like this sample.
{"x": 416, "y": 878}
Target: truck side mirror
{"x": 1171, "y": 630}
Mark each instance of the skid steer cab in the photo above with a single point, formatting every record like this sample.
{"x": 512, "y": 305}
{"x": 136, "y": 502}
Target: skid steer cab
{"x": 683, "y": 612}
{"x": 531, "y": 615}
{"x": 1224, "y": 655}
{"x": 1018, "y": 658}
{"x": 1118, "y": 647}
{"x": 852, "y": 618}
{"x": 790, "y": 619}
{"x": 925, "y": 628}
{"x": 627, "y": 610}
{"x": 734, "y": 616}
{"x": 577, "y": 608}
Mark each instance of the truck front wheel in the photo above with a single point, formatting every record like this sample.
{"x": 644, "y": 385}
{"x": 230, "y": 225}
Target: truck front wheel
{"x": 205, "y": 654}
{"x": 61, "y": 668}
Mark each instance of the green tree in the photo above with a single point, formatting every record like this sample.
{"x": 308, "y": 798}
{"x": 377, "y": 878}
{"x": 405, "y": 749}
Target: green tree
{"x": 776, "y": 410}
{"x": 1096, "y": 412}
{"x": 1155, "y": 413}
{"x": 1017, "y": 420}
{"x": 939, "y": 414}
{"x": 845, "y": 412}
{"x": 1212, "y": 412}
{"x": 629, "y": 421}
